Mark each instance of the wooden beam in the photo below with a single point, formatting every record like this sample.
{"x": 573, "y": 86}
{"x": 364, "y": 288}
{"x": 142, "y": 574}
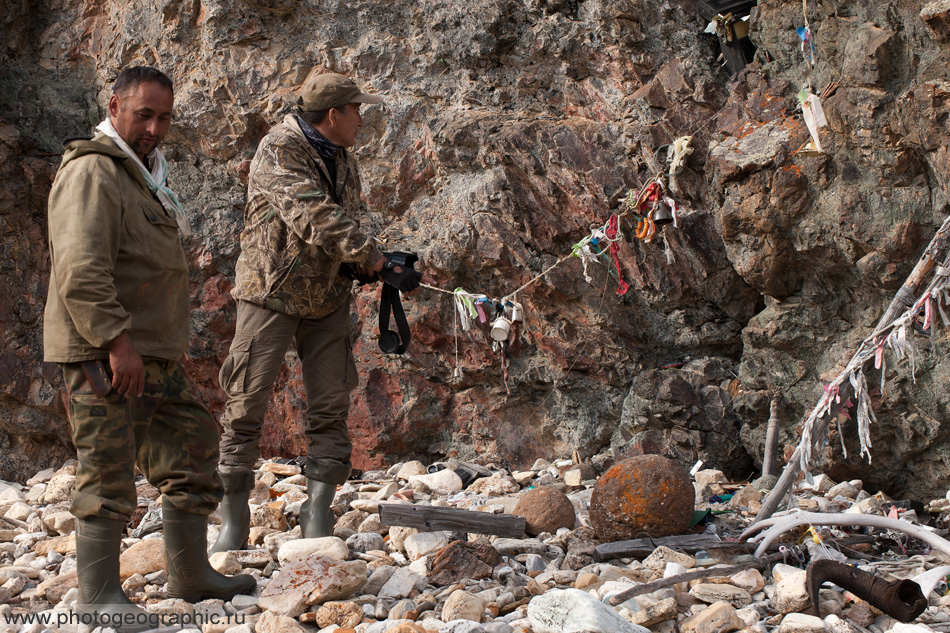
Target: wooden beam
{"x": 643, "y": 547}
{"x": 431, "y": 519}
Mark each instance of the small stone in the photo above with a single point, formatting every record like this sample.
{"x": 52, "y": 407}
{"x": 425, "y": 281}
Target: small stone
{"x": 329, "y": 546}
{"x": 747, "y": 498}
{"x": 366, "y": 542}
{"x": 499, "y": 484}
{"x": 243, "y": 602}
{"x": 343, "y": 614}
{"x": 144, "y": 557}
{"x": 402, "y": 583}
{"x": 663, "y": 555}
{"x": 225, "y": 563}
{"x": 719, "y": 617}
{"x": 522, "y": 477}
{"x": 656, "y": 612}
{"x": 535, "y": 563}
{"x": 789, "y": 594}
{"x": 411, "y": 469}
{"x": 404, "y": 610}
{"x": 585, "y": 580}
{"x": 801, "y": 623}
{"x": 60, "y": 544}
{"x": 284, "y": 470}
{"x": 418, "y": 545}
{"x": 462, "y": 605}
{"x": 386, "y": 491}
{"x": 442, "y": 482}
{"x": 134, "y": 582}
{"x": 272, "y": 622}
{"x": 378, "y": 578}
{"x": 844, "y": 489}
{"x": 545, "y": 510}
{"x": 60, "y": 486}
{"x": 19, "y": 511}
{"x": 270, "y": 515}
{"x": 398, "y": 535}
{"x": 256, "y": 537}
{"x": 709, "y": 477}
{"x": 749, "y": 579}
{"x": 710, "y": 593}
{"x": 366, "y": 505}
{"x": 257, "y": 558}
{"x": 372, "y": 523}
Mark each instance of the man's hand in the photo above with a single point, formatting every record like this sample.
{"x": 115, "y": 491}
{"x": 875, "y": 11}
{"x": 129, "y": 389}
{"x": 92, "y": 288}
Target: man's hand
{"x": 403, "y": 278}
{"x": 128, "y": 372}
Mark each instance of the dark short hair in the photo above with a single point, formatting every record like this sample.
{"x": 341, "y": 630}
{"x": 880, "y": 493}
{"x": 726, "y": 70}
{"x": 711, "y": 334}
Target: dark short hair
{"x": 130, "y": 78}
{"x": 315, "y": 117}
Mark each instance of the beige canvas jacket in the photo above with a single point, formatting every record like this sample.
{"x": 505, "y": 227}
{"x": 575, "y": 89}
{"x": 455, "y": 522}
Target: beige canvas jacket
{"x": 117, "y": 264}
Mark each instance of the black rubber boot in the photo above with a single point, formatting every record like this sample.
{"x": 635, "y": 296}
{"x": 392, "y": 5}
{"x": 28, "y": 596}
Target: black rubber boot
{"x": 97, "y": 565}
{"x": 316, "y": 517}
{"x": 190, "y": 576}
{"x": 235, "y": 521}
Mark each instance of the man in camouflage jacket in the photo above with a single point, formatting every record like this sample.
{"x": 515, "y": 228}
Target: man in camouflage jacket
{"x": 301, "y": 225}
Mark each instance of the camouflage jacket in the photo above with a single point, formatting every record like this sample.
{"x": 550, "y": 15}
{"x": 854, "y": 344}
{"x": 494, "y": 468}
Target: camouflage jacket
{"x": 298, "y": 228}
{"x": 117, "y": 265}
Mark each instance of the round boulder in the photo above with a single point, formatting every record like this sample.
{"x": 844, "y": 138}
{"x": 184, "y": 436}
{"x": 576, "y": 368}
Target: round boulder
{"x": 545, "y": 510}
{"x": 646, "y": 494}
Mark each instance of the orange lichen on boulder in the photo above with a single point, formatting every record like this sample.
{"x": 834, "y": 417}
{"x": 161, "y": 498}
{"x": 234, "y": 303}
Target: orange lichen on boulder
{"x": 644, "y": 495}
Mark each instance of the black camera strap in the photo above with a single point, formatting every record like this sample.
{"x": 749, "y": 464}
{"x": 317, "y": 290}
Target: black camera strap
{"x": 391, "y": 342}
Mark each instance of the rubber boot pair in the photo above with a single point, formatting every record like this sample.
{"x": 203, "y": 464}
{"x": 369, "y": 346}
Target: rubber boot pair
{"x": 97, "y": 566}
{"x": 190, "y": 576}
{"x": 316, "y": 517}
{"x": 235, "y": 521}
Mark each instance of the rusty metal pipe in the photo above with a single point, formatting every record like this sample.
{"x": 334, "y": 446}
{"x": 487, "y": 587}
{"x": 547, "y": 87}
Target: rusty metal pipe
{"x": 901, "y": 599}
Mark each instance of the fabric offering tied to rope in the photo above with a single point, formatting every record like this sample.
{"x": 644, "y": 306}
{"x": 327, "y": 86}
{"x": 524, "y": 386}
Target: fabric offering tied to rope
{"x": 893, "y": 336}
{"x": 652, "y": 207}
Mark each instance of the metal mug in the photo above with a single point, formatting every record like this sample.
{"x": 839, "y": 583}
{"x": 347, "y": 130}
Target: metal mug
{"x": 500, "y": 328}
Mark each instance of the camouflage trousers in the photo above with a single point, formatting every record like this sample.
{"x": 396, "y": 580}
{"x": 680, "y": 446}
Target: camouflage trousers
{"x": 167, "y": 432}
{"x": 261, "y": 339}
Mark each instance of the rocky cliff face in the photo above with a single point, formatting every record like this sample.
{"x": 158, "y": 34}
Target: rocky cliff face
{"x": 507, "y": 129}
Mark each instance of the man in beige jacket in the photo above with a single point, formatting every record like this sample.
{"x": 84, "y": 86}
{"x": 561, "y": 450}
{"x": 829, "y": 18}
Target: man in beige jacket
{"x": 117, "y": 322}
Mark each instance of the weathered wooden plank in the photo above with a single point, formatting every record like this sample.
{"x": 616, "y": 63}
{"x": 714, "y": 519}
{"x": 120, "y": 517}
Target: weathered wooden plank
{"x": 690, "y": 543}
{"x": 430, "y": 519}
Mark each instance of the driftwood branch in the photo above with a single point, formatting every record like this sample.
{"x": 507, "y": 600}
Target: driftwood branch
{"x": 904, "y": 299}
{"x": 771, "y": 437}
{"x": 706, "y": 572}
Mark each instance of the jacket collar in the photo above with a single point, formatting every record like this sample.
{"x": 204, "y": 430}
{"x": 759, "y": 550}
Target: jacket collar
{"x": 342, "y": 162}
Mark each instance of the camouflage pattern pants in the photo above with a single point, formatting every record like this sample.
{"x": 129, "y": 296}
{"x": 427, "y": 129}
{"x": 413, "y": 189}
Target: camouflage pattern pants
{"x": 167, "y": 432}
{"x": 261, "y": 339}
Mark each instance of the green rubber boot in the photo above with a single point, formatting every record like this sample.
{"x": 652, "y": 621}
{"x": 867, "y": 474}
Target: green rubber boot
{"x": 190, "y": 576}
{"x": 316, "y": 517}
{"x": 97, "y": 566}
{"x": 235, "y": 521}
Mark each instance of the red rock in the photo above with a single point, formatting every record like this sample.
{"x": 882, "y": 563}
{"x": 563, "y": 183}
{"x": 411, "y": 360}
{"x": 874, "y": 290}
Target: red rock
{"x": 545, "y": 510}
{"x": 459, "y": 560}
{"x": 647, "y": 494}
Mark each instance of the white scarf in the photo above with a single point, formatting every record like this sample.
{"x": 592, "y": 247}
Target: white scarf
{"x": 157, "y": 179}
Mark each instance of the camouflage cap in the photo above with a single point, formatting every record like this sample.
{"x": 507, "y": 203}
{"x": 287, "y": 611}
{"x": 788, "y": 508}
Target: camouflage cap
{"x": 330, "y": 90}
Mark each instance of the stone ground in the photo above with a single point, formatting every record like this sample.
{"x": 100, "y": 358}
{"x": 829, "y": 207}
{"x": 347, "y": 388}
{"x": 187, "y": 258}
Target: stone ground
{"x": 373, "y": 578}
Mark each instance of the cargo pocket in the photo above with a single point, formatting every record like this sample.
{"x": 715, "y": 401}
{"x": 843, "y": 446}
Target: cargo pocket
{"x": 233, "y": 374}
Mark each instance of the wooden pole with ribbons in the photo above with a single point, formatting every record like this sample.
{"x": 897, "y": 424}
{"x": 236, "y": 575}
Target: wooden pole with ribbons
{"x": 903, "y": 300}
